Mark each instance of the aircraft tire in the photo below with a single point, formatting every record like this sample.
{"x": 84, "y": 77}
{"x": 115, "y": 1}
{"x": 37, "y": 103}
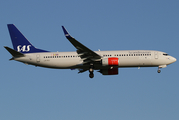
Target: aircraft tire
{"x": 91, "y": 75}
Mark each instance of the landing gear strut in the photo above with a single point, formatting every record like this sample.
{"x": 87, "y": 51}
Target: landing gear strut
{"x": 91, "y": 75}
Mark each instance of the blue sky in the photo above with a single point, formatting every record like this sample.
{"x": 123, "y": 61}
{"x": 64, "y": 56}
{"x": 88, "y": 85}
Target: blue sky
{"x": 28, "y": 92}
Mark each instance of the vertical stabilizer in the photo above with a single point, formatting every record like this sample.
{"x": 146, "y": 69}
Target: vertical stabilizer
{"x": 20, "y": 43}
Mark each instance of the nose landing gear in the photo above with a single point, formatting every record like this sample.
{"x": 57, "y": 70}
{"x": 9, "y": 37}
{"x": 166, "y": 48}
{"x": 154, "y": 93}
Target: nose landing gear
{"x": 161, "y": 66}
{"x": 159, "y": 71}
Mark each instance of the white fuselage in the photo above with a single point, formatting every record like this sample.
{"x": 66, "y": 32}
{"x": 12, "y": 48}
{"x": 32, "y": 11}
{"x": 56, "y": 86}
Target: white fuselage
{"x": 84, "y": 59}
{"x": 70, "y": 60}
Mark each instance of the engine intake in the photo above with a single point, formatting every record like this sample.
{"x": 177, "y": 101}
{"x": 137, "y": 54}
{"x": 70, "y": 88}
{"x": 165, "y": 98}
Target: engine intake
{"x": 110, "y": 61}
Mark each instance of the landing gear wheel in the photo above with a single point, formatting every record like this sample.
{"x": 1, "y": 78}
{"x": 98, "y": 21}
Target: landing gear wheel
{"x": 91, "y": 75}
{"x": 158, "y": 71}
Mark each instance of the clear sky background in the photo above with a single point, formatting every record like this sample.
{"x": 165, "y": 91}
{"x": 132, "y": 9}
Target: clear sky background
{"x": 34, "y": 93}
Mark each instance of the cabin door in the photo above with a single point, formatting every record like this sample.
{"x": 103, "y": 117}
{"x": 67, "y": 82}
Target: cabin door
{"x": 38, "y": 58}
{"x": 156, "y": 55}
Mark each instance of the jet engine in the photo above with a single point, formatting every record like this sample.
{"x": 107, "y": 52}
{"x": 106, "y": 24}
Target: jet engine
{"x": 113, "y": 71}
{"x": 110, "y": 61}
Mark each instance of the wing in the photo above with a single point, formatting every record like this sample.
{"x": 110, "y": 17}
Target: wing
{"x": 87, "y": 55}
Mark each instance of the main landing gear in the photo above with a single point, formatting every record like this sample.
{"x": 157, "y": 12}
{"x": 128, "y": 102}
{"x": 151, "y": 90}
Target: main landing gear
{"x": 91, "y": 75}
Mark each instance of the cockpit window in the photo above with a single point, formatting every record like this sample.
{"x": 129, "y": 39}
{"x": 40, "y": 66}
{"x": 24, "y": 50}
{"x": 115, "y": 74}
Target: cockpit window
{"x": 165, "y": 54}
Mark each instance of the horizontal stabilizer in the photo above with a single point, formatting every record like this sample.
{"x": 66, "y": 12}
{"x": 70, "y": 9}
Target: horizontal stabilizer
{"x": 13, "y": 52}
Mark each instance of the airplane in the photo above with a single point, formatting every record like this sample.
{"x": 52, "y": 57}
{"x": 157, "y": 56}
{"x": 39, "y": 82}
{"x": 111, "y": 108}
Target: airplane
{"x": 84, "y": 59}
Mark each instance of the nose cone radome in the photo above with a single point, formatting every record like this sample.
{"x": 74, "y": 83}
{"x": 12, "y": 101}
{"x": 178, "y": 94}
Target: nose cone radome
{"x": 174, "y": 59}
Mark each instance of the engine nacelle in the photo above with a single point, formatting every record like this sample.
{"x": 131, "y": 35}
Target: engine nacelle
{"x": 110, "y": 61}
{"x": 113, "y": 71}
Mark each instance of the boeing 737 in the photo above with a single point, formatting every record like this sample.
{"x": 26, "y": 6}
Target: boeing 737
{"x": 84, "y": 59}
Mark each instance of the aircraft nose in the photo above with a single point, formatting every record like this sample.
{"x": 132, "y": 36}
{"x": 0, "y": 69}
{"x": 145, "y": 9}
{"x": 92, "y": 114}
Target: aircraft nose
{"x": 174, "y": 59}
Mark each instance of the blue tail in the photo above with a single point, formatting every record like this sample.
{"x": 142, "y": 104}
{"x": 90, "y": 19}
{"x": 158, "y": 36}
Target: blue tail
{"x": 20, "y": 43}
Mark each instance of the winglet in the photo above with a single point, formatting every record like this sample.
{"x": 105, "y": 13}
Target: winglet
{"x": 66, "y": 33}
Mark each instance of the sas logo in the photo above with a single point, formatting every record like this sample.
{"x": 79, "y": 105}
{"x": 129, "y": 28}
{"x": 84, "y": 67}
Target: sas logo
{"x": 25, "y": 48}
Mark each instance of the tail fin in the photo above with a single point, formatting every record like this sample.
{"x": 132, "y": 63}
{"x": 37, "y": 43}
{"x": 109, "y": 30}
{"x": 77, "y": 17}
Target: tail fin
{"x": 20, "y": 43}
